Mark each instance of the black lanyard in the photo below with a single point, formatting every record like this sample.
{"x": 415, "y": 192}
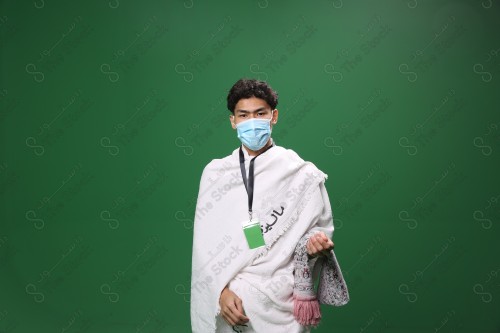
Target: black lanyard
{"x": 249, "y": 187}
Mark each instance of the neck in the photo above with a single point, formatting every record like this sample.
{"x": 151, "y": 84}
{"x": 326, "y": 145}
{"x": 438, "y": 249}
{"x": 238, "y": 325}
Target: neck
{"x": 257, "y": 152}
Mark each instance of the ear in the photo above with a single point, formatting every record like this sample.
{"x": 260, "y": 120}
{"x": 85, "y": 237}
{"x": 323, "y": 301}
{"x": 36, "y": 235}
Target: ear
{"x": 231, "y": 120}
{"x": 274, "y": 120}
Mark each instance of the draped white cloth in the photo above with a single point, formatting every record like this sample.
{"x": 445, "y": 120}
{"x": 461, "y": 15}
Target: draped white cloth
{"x": 291, "y": 202}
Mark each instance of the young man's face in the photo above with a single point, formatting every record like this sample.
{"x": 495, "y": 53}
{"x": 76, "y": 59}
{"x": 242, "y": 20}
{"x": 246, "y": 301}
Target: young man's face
{"x": 253, "y": 107}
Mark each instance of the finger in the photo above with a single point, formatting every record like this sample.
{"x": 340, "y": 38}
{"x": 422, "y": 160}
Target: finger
{"x": 317, "y": 246}
{"x": 242, "y": 320}
{"x": 311, "y": 249}
{"x": 314, "y": 240}
{"x": 316, "y": 251}
{"x": 323, "y": 238}
{"x": 232, "y": 316}
{"x": 323, "y": 243}
{"x": 328, "y": 245}
{"x": 237, "y": 314}
{"x": 227, "y": 317}
{"x": 239, "y": 307}
{"x": 311, "y": 254}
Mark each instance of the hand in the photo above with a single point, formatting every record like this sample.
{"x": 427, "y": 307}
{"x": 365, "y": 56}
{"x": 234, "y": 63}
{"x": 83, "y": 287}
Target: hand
{"x": 319, "y": 243}
{"x": 232, "y": 308}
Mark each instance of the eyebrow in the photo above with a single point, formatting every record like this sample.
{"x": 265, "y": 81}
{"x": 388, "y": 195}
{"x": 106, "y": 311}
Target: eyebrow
{"x": 245, "y": 111}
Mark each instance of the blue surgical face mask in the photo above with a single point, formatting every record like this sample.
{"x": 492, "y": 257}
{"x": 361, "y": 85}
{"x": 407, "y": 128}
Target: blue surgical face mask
{"x": 254, "y": 133}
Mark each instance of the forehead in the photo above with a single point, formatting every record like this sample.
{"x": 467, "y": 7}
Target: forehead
{"x": 251, "y": 104}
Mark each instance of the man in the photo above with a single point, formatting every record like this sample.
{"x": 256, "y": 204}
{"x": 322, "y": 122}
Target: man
{"x": 262, "y": 231}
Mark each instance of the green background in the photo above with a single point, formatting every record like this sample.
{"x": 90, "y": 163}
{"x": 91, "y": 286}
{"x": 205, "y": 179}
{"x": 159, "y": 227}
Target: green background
{"x": 111, "y": 109}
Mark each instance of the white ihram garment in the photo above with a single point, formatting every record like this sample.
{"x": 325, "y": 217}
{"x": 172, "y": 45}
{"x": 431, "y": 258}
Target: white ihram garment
{"x": 291, "y": 201}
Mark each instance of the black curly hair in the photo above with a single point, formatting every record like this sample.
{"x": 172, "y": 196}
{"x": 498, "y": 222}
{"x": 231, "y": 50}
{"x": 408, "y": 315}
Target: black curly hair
{"x": 246, "y": 88}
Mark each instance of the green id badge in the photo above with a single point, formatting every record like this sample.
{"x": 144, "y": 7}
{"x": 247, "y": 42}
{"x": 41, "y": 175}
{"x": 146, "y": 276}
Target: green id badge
{"x": 253, "y": 234}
